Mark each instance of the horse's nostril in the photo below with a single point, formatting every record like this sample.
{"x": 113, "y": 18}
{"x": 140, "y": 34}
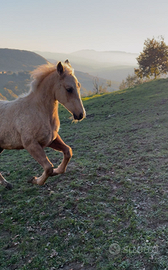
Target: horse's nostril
{"x": 80, "y": 116}
{"x": 75, "y": 116}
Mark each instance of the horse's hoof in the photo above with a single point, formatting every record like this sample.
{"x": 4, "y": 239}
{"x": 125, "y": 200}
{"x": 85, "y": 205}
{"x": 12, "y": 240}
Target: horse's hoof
{"x": 8, "y": 186}
{"x": 30, "y": 181}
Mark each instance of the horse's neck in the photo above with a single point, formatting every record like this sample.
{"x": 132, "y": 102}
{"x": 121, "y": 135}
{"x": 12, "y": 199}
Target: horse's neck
{"x": 45, "y": 90}
{"x": 44, "y": 96}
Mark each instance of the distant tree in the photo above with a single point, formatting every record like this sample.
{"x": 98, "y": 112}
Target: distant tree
{"x": 123, "y": 85}
{"x": 130, "y": 81}
{"x": 153, "y": 61}
{"x": 100, "y": 89}
{"x": 96, "y": 85}
{"x": 109, "y": 83}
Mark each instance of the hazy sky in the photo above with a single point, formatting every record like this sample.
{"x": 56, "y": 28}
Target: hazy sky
{"x": 71, "y": 25}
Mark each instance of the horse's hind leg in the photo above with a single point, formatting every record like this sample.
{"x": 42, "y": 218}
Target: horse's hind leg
{"x": 3, "y": 182}
{"x": 59, "y": 145}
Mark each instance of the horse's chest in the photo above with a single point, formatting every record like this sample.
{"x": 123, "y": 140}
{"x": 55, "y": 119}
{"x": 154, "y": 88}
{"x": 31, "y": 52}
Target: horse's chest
{"x": 48, "y": 135}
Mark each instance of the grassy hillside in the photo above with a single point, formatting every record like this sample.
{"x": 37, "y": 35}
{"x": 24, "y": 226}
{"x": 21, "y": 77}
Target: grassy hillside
{"x": 110, "y": 210}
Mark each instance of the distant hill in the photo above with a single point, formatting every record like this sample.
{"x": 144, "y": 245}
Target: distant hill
{"x": 15, "y": 66}
{"x": 110, "y": 65}
{"x": 14, "y": 84}
{"x": 18, "y": 60}
{"x": 115, "y": 58}
{"x": 14, "y": 71}
{"x": 87, "y": 83}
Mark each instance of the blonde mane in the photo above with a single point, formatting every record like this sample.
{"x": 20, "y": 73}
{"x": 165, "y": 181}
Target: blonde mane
{"x": 43, "y": 71}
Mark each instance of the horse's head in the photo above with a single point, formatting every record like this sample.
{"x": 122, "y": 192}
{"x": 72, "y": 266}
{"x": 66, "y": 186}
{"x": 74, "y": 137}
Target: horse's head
{"x": 68, "y": 93}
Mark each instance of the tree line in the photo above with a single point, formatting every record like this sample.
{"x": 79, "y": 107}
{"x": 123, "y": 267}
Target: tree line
{"x": 152, "y": 62}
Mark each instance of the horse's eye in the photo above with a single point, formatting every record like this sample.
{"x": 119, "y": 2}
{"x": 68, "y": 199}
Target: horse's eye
{"x": 69, "y": 90}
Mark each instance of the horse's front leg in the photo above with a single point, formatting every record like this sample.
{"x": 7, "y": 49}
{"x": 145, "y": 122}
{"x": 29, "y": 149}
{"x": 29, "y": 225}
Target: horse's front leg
{"x": 59, "y": 145}
{"x": 37, "y": 152}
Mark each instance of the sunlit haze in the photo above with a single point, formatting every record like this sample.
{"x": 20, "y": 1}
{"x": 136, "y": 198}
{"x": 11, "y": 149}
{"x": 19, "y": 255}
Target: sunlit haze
{"x": 68, "y": 26}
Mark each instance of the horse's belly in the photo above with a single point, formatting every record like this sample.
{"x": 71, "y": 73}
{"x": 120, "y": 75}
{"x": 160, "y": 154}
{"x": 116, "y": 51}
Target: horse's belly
{"x": 10, "y": 141}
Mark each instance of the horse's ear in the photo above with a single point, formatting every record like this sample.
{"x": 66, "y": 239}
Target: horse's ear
{"x": 67, "y": 62}
{"x": 60, "y": 68}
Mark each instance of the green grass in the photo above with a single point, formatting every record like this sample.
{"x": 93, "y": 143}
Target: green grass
{"x": 110, "y": 209}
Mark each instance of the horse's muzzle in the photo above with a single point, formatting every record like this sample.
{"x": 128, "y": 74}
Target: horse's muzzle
{"x": 79, "y": 117}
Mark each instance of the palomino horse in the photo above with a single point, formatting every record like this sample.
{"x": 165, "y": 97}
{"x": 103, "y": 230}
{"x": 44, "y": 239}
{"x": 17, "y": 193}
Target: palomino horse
{"x": 31, "y": 122}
